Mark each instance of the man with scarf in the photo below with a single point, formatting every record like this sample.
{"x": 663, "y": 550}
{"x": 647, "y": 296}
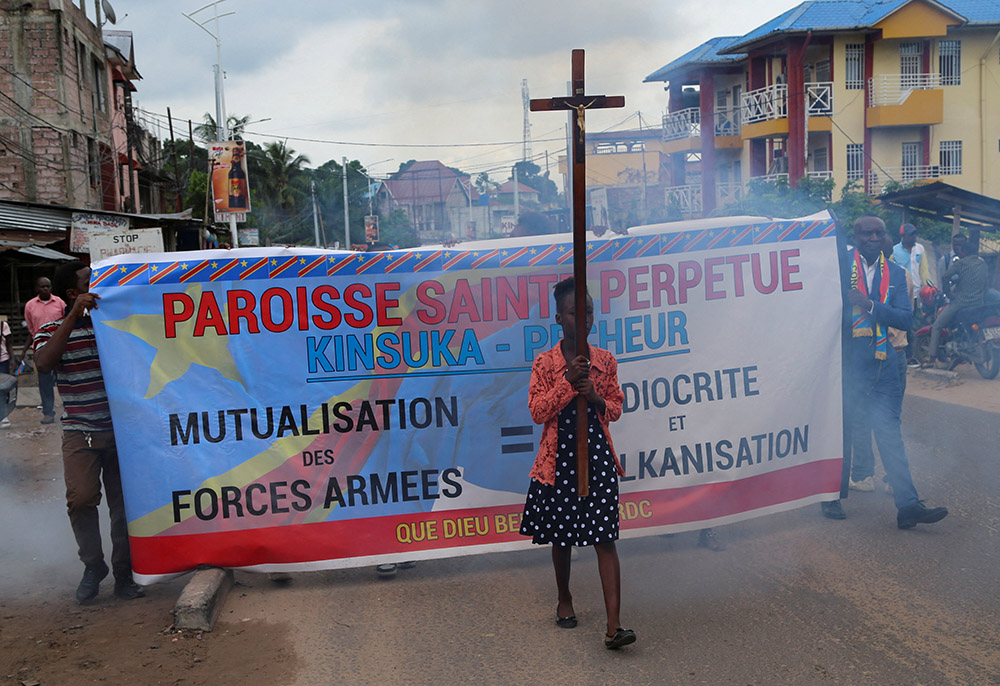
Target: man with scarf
{"x": 876, "y": 299}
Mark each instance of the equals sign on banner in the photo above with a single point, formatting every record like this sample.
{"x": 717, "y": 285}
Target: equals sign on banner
{"x": 508, "y": 434}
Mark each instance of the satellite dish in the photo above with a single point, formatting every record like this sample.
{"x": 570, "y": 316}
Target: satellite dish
{"x": 109, "y": 11}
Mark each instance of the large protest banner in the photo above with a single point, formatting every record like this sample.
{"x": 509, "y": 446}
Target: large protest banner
{"x": 295, "y": 409}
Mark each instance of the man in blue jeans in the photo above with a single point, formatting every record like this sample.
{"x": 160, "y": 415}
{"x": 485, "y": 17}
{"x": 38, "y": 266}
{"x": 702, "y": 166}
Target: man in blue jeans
{"x": 875, "y": 299}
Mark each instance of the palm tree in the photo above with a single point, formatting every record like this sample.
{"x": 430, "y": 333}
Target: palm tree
{"x": 276, "y": 170}
{"x": 208, "y": 131}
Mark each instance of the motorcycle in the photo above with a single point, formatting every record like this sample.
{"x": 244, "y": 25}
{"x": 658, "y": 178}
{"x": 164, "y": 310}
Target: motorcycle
{"x": 974, "y": 335}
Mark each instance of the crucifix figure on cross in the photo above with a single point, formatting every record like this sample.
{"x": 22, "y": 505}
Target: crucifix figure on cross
{"x": 580, "y": 103}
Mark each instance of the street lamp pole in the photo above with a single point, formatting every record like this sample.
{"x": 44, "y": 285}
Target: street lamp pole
{"x": 220, "y": 94}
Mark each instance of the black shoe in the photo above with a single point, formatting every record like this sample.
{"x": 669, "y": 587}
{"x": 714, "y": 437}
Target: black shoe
{"x": 126, "y": 589}
{"x": 708, "y": 539}
{"x": 911, "y": 515}
{"x": 91, "y": 582}
{"x": 832, "y": 509}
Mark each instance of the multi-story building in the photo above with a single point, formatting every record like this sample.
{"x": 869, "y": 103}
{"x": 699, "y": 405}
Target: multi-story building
{"x": 864, "y": 91}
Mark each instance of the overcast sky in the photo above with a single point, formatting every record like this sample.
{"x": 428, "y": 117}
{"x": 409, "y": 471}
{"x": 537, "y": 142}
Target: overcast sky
{"x": 418, "y": 72}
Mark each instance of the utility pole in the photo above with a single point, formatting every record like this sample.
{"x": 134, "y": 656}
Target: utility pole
{"x": 347, "y": 212}
{"x": 312, "y": 185}
{"x": 220, "y": 97}
{"x": 517, "y": 198}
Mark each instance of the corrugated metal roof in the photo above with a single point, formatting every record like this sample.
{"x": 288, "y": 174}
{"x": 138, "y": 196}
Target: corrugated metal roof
{"x": 34, "y": 217}
{"x": 45, "y": 253}
{"x": 706, "y": 53}
{"x": 831, "y": 15}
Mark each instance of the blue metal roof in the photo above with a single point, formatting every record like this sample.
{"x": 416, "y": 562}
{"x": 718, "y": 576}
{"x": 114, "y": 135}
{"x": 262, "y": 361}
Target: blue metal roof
{"x": 830, "y": 15}
{"x": 706, "y": 53}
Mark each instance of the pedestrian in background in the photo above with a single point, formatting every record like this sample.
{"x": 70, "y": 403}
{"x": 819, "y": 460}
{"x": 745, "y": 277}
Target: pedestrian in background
{"x": 38, "y": 311}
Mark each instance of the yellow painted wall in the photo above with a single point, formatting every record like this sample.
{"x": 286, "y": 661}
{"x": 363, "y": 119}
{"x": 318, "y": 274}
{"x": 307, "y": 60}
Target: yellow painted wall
{"x": 916, "y": 19}
{"x": 920, "y": 108}
{"x": 849, "y": 111}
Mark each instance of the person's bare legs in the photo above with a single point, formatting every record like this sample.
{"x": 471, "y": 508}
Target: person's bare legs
{"x": 561, "y": 563}
{"x": 611, "y": 582}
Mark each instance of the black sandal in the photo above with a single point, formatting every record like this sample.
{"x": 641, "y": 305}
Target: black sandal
{"x": 566, "y": 622}
{"x": 622, "y": 637}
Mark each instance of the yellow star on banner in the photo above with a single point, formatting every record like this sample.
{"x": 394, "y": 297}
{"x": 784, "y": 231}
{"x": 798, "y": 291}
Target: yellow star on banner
{"x": 562, "y": 248}
{"x": 273, "y": 262}
{"x": 331, "y": 258}
{"x": 504, "y": 253}
{"x": 360, "y": 257}
{"x": 302, "y": 260}
{"x": 174, "y": 356}
{"x": 590, "y": 246}
{"x": 388, "y": 258}
{"x": 243, "y": 263}
{"x": 475, "y": 254}
{"x": 184, "y": 265}
{"x": 153, "y": 268}
{"x": 122, "y": 269}
{"x": 214, "y": 265}
{"x": 534, "y": 251}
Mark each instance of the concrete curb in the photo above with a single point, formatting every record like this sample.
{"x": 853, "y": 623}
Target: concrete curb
{"x": 943, "y": 376}
{"x": 201, "y": 600}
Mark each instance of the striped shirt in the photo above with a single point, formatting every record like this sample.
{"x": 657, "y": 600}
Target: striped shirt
{"x": 81, "y": 383}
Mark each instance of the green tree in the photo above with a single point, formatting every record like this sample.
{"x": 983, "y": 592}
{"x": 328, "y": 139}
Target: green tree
{"x": 397, "y": 230}
{"x": 208, "y": 130}
{"x": 530, "y": 175}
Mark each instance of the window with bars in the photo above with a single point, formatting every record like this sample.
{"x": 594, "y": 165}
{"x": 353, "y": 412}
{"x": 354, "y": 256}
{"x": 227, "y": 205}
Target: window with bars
{"x": 950, "y": 157}
{"x": 855, "y": 161}
{"x": 911, "y": 57}
{"x": 950, "y": 62}
{"x": 854, "y": 67}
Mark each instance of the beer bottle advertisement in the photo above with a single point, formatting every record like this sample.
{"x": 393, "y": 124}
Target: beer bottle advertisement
{"x": 230, "y": 190}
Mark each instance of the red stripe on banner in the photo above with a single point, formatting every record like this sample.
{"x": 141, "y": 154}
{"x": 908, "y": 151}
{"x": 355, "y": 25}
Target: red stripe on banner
{"x": 542, "y": 255}
{"x": 104, "y": 275}
{"x": 672, "y": 242}
{"x": 600, "y": 251}
{"x": 316, "y": 262}
{"x": 715, "y": 241}
{"x": 474, "y": 526}
{"x": 742, "y": 234}
{"x": 186, "y": 276}
{"x": 808, "y": 230}
{"x": 784, "y": 234}
{"x": 763, "y": 234}
{"x": 255, "y": 267}
{"x": 624, "y": 249}
{"x": 565, "y": 257}
{"x": 828, "y": 230}
{"x": 399, "y": 261}
{"x": 222, "y": 272}
{"x": 422, "y": 264}
{"x": 337, "y": 266}
{"x": 694, "y": 242}
{"x": 367, "y": 264}
{"x": 449, "y": 263}
{"x": 650, "y": 244}
{"x": 485, "y": 258}
{"x": 162, "y": 275}
{"x": 281, "y": 268}
{"x": 129, "y": 277}
{"x": 510, "y": 258}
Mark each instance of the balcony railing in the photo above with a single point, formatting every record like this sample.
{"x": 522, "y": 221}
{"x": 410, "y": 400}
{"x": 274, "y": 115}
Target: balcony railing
{"x": 727, "y": 121}
{"x": 728, "y": 193}
{"x": 766, "y": 103}
{"x": 893, "y": 89}
{"x": 687, "y": 123}
{"x": 904, "y": 174}
{"x": 682, "y": 124}
{"x": 687, "y": 199}
{"x": 771, "y": 102}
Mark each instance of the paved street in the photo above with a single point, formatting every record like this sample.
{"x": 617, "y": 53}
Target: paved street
{"x": 796, "y": 599}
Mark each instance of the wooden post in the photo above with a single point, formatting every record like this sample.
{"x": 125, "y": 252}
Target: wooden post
{"x": 579, "y": 102}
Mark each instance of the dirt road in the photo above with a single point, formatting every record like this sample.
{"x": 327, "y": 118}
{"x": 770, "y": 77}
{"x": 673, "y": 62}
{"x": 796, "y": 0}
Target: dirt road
{"x": 796, "y": 599}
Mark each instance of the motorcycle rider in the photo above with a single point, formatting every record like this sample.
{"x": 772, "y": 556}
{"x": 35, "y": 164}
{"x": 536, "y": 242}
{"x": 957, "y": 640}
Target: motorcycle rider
{"x": 971, "y": 276}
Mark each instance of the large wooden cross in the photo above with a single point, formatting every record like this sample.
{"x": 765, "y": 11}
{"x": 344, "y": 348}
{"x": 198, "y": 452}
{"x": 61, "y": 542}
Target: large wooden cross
{"x": 579, "y": 102}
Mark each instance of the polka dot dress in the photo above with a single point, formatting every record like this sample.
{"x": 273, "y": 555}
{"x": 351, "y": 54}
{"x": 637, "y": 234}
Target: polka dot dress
{"x": 554, "y": 514}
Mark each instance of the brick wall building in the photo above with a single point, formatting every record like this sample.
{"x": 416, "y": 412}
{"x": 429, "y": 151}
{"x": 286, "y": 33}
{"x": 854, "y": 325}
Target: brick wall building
{"x": 56, "y": 143}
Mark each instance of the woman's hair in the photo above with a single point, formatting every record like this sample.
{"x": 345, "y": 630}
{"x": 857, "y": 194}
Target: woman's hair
{"x": 65, "y": 278}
